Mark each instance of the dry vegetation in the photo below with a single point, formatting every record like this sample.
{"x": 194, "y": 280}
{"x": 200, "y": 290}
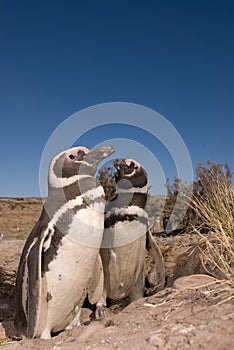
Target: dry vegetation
{"x": 213, "y": 203}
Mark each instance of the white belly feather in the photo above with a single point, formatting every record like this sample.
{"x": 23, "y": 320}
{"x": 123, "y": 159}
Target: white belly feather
{"x": 65, "y": 284}
{"x": 123, "y": 264}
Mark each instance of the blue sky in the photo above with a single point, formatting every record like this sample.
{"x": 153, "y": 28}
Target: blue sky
{"x": 59, "y": 57}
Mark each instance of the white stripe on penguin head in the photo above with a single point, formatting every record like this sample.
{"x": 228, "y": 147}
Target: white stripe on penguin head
{"x": 137, "y": 166}
{"x": 60, "y": 182}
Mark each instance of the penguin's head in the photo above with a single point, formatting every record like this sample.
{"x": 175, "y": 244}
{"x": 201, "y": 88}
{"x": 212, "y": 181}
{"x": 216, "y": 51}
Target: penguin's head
{"x": 75, "y": 163}
{"x": 131, "y": 171}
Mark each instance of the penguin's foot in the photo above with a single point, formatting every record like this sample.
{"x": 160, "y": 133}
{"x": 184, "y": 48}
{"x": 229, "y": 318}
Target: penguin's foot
{"x": 98, "y": 314}
{"x": 46, "y": 334}
{"x": 76, "y": 320}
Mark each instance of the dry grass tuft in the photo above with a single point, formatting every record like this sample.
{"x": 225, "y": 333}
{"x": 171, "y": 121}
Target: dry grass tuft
{"x": 213, "y": 203}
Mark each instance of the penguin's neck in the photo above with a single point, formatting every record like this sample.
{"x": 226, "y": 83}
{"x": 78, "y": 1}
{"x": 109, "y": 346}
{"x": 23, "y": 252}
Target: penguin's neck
{"x": 72, "y": 190}
{"x": 124, "y": 200}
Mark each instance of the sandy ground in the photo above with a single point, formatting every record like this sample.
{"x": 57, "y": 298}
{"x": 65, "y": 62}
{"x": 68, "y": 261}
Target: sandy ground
{"x": 190, "y": 313}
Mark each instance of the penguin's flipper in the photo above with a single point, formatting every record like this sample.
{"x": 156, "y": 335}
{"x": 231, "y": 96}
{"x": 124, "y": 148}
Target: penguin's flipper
{"x": 36, "y": 300}
{"x": 29, "y": 283}
{"x": 156, "y": 276}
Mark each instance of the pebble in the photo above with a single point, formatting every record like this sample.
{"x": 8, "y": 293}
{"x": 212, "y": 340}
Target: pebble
{"x": 157, "y": 339}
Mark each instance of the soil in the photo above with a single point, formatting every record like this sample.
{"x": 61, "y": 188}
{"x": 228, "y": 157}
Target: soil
{"x": 192, "y": 312}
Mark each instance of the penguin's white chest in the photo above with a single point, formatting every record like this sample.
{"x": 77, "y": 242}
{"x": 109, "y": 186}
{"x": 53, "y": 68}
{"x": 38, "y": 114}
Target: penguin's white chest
{"x": 65, "y": 284}
{"x": 87, "y": 226}
{"x": 123, "y": 233}
{"x": 123, "y": 262}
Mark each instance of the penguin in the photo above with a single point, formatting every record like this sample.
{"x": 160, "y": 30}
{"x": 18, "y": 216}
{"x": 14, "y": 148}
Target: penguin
{"x": 60, "y": 263}
{"x": 126, "y": 237}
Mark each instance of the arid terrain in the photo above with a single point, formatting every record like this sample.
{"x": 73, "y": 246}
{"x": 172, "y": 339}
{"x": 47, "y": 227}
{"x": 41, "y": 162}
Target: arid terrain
{"x": 195, "y": 312}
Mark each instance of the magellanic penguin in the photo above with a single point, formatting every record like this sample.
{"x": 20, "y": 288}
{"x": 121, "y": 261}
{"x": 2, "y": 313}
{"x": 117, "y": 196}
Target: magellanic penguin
{"x": 124, "y": 241}
{"x": 60, "y": 262}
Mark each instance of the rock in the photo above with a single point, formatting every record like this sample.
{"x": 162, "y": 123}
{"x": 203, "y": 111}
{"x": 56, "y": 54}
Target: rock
{"x": 158, "y": 340}
{"x": 205, "y": 283}
{"x": 193, "y": 281}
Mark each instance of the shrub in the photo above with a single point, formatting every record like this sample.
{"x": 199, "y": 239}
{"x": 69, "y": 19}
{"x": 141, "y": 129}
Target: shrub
{"x": 213, "y": 204}
{"x": 106, "y": 177}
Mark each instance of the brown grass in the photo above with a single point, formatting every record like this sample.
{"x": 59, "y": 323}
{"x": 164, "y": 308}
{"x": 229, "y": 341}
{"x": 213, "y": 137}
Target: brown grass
{"x": 214, "y": 206}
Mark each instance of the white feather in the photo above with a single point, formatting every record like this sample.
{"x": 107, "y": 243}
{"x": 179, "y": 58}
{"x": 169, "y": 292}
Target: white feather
{"x": 131, "y": 210}
{"x": 133, "y": 190}
{"x": 59, "y": 182}
{"x": 66, "y": 281}
{"x": 123, "y": 233}
{"x": 93, "y": 194}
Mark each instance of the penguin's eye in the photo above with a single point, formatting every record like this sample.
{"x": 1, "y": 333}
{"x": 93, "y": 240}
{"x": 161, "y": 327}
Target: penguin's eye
{"x": 136, "y": 167}
{"x": 71, "y": 156}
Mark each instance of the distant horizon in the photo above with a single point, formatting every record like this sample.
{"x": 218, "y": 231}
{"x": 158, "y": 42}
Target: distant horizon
{"x": 21, "y": 198}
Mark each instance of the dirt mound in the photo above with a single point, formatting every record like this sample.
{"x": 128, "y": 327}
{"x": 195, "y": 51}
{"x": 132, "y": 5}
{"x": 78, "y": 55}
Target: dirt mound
{"x": 197, "y": 318}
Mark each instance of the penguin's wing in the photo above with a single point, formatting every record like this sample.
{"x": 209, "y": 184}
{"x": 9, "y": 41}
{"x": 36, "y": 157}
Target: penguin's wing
{"x": 28, "y": 282}
{"x": 156, "y": 275}
{"x": 35, "y": 297}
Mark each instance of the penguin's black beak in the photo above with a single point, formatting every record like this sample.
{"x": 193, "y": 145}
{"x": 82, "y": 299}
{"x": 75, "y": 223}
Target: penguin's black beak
{"x": 98, "y": 154}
